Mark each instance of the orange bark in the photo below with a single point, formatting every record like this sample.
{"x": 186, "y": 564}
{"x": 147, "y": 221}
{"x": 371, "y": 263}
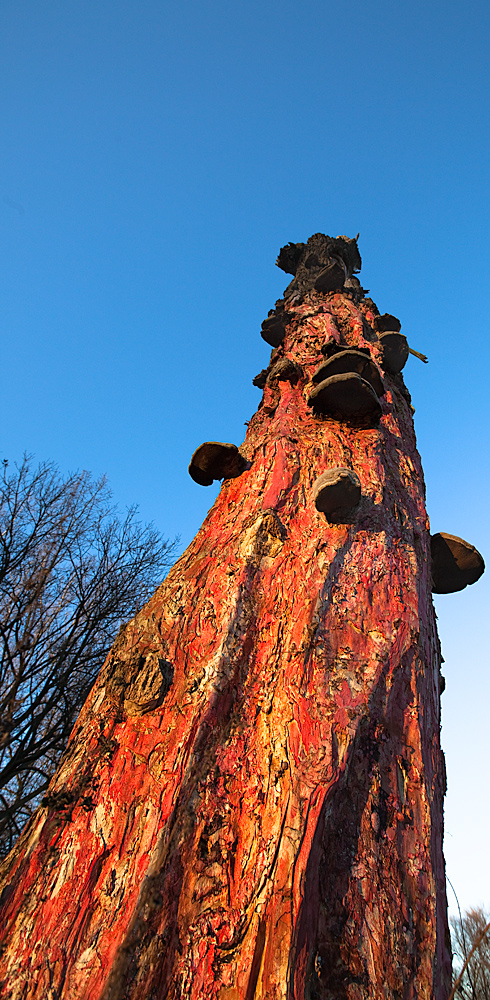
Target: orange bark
{"x": 250, "y": 805}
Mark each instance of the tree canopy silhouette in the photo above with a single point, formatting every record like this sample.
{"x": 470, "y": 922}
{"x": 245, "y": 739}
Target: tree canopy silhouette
{"x": 71, "y": 571}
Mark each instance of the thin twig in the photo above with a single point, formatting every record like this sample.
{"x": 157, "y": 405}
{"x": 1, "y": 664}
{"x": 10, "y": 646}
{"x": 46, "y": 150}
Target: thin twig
{"x": 423, "y": 357}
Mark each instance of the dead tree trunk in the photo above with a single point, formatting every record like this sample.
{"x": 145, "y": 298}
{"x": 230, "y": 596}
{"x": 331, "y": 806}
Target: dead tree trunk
{"x": 250, "y": 805}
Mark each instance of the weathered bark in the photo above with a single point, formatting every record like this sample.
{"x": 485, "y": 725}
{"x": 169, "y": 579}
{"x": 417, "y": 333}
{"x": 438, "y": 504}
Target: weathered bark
{"x": 250, "y": 805}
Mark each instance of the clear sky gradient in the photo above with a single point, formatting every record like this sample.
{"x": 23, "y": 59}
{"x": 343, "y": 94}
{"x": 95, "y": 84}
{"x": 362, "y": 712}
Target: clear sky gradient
{"x": 155, "y": 157}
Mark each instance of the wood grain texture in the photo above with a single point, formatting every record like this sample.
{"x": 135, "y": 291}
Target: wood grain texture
{"x": 250, "y": 805}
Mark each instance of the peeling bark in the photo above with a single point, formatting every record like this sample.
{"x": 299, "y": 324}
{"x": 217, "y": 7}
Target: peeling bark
{"x": 250, "y": 805}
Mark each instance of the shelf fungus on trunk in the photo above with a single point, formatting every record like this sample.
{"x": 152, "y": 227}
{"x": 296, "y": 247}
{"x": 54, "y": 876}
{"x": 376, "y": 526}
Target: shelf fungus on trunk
{"x": 455, "y": 563}
{"x": 336, "y": 490}
{"x": 346, "y": 397}
{"x": 215, "y": 460}
{"x": 385, "y": 321}
{"x": 273, "y": 330}
{"x": 395, "y": 351}
{"x": 274, "y": 327}
{"x": 343, "y": 362}
{"x": 394, "y": 344}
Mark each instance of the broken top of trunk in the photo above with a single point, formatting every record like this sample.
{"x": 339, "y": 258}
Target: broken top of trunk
{"x": 324, "y": 263}
{"x": 300, "y": 258}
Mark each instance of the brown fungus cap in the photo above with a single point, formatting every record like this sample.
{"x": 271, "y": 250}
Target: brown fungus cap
{"x": 455, "y": 563}
{"x": 351, "y": 360}
{"x": 215, "y": 460}
{"x": 386, "y": 322}
{"x": 395, "y": 351}
{"x": 346, "y": 397}
{"x": 336, "y": 489}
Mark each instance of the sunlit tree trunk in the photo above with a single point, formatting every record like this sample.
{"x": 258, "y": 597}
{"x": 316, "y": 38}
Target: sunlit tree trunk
{"x": 250, "y": 805}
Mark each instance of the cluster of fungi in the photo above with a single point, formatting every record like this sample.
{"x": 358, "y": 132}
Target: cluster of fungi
{"x": 346, "y": 386}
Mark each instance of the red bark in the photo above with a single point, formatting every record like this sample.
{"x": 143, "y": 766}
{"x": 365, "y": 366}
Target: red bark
{"x": 250, "y": 805}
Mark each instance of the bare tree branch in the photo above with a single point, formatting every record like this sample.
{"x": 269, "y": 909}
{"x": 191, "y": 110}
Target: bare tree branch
{"x": 71, "y": 570}
{"x": 471, "y": 946}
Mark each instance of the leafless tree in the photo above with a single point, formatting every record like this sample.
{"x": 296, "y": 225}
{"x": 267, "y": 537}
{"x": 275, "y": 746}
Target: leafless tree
{"x": 71, "y": 570}
{"x": 471, "y": 949}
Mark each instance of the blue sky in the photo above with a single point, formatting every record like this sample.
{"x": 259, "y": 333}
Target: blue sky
{"x": 155, "y": 157}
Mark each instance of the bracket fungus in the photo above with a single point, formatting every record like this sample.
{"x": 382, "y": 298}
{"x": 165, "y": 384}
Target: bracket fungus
{"x": 283, "y": 370}
{"x": 351, "y": 360}
{"x": 273, "y": 330}
{"x": 336, "y": 489}
{"x": 346, "y": 397}
{"x": 395, "y": 351}
{"x": 260, "y": 380}
{"x": 387, "y": 322}
{"x": 455, "y": 563}
{"x": 215, "y": 460}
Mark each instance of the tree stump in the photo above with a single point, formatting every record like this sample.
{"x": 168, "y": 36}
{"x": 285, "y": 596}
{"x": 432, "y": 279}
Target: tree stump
{"x": 250, "y": 805}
